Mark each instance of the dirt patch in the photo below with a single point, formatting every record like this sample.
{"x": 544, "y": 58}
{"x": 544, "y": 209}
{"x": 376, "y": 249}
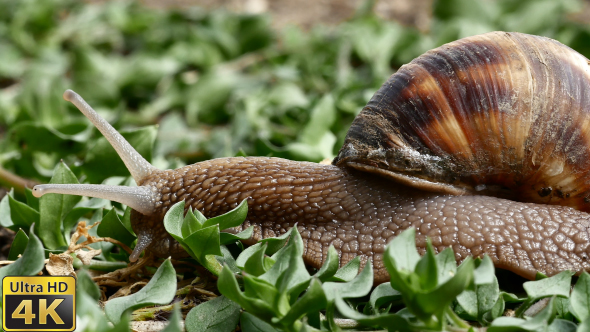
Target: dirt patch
{"x": 306, "y": 13}
{"x": 584, "y": 15}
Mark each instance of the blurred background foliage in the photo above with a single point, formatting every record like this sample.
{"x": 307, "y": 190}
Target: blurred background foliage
{"x": 216, "y": 83}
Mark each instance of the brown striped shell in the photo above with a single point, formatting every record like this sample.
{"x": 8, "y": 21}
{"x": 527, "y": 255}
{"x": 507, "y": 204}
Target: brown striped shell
{"x": 502, "y": 114}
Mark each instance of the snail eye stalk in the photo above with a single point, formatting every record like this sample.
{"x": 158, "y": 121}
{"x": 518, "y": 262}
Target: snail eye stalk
{"x": 139, "y": 168}
{"x": 139, "y": 198}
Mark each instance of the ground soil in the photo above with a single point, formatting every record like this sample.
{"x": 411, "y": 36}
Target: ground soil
{"x": 306, "y": 13}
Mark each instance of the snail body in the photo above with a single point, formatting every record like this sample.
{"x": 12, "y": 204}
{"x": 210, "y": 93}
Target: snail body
{"x": 440, "y": 147}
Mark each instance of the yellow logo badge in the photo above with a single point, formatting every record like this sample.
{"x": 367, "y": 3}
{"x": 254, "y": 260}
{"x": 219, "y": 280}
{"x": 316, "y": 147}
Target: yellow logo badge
{"x": 45, "y": 303}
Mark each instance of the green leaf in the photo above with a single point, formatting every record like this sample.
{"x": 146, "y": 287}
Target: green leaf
{"x": 85, "y": 283}
{"x": 200, "y": 217}
{"x": 481, "y": 300}
{"x": 81, "y": 209}
{"x": 209, "y": 94}
{"x": 260, "y": 289}
{"x": 126, "y": 220}
{"x": 250, "y": 323}
{"x": 457, "y": 9}
{"x": 484, "y": 273}
{"x": 227, "y": 259}
{"x": 580, "y": 297}
{"x": 540, "y": 275}
{"x": 111, "y": 226}
{"x": 30, "y": 263}
{"x": 295, "y": 277}
{"x": 173, "y": 220}
{"x": 283, "y": 257}
{"x": 190, "y": 224}
{"x": 357, "y": 287}
{"x": 402, "y": 251}
{"x": 511, "y": 298}
{"x": 105, "y": 247}
{"x": 159, "y": 290}
{"x": 214, "y": 263}
{"x": 21, "y": 214}
{"x": 313, "y": 300}
{"x": 218, "y": 315}
{"x": 247, "y": 253}
{"x": 230, "y": 219}
{"x": 330, "y": 266}
{"x": 496, "y": 311}
{"x": 316, "y": 141}
{"x": 391, "y": 322}
{"x": 447, "y": 265}
{"x": 503, "y": 324}
{"x": 18, "y": 245}
{"x": 102, "y": 161}
{"x": 348, "y": 271}
{"x": 41, "y": 137}
{"x": 537, "y": 323}
{"x": 123, "y": 325}
{"x": 289, "y": 273}
{"x": 322, "y": 118}
{"x": 558, "y": 284}
{"x": 437, "y": 300}
{"x": 32, "y": 201}
{"x": 400, "y": 260}
{"x": 322, "y": 149}
{"x": 468, "y": 302}
{"x": 228, "y": 286}
{"x": 53, "y": 209}
{"x": 227, "y": 238}
{"x": 426, "y": 268}
{"x": 383, "y": 294}
{"x": 5, "y": 219}
{"x": 204, "y": 242}
{"x": 241, "y": 153}
{"x": 255, "y": 264}
{"x": 174, "y": 323}
{"x": 277, "y": 243}
{"x": 488, "y": 295}
{"x": 562, "y": 306}
{"x": 584, "y": 326}
{"x": 93, "y": 317}
{"x": 562, "y": 325}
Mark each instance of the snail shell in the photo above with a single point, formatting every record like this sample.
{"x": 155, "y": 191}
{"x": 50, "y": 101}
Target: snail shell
{"x": 502, "y": 114}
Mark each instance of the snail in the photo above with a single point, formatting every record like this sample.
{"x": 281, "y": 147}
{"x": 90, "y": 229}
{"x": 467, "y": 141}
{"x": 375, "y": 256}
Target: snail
{"x": 481, "y": 144}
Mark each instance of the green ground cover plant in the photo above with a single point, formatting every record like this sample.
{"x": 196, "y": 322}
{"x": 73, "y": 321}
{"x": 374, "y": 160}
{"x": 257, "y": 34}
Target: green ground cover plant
{"x": 185, "y": 86}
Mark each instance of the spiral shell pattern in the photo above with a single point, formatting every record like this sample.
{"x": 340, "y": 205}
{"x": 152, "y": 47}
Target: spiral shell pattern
{"x": 503, "y": 114}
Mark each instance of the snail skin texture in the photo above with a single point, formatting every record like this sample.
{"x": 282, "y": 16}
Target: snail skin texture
{"x": 480, "y": 144}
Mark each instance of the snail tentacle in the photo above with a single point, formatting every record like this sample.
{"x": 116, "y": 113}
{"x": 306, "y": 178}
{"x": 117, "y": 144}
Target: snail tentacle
{"x": 139, "y": 168}
{"x": 141, "y": 199}
{"x": 145, "y": 237}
